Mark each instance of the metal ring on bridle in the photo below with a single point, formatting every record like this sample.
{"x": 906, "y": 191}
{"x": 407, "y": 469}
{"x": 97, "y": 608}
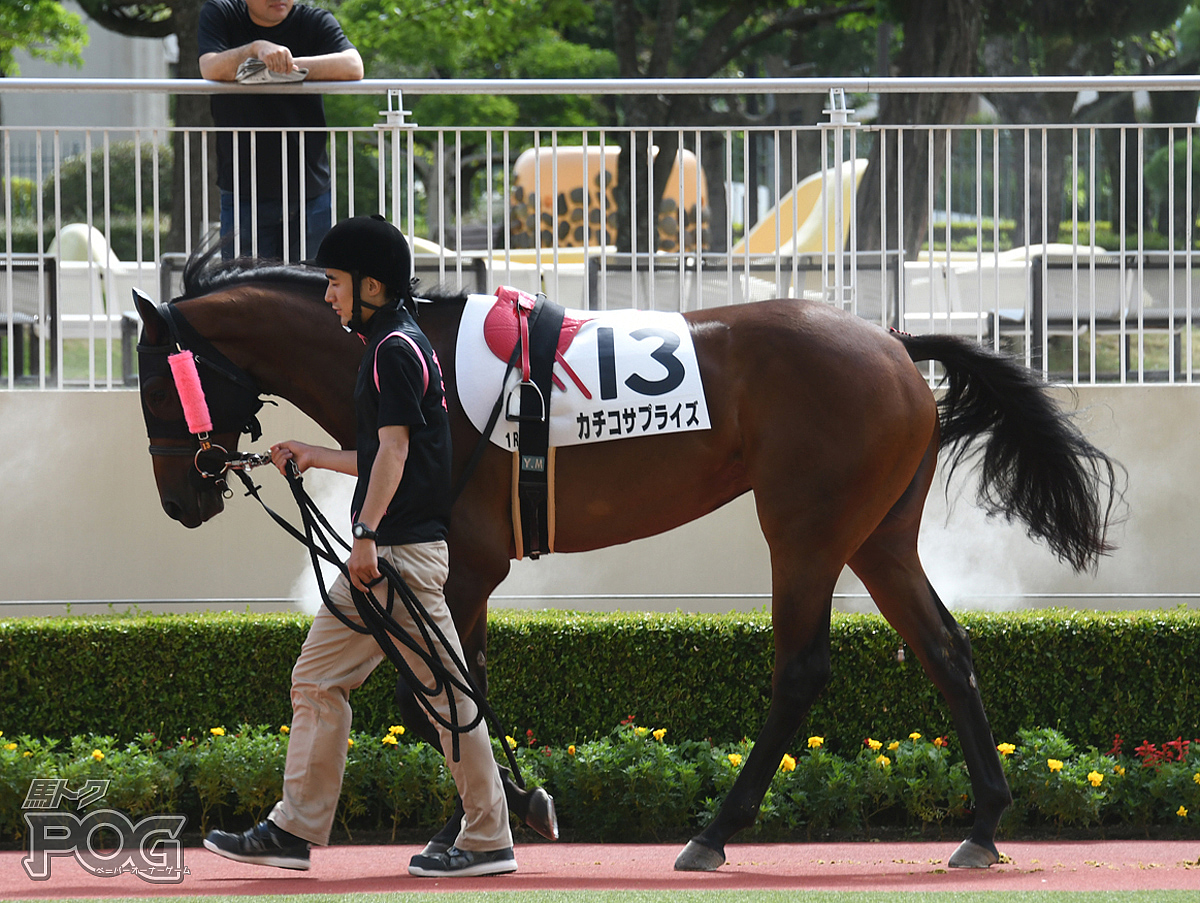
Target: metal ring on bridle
{"x": 204, "y": 449}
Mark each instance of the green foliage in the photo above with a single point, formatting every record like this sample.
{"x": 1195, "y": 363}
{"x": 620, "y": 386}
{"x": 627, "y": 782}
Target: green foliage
{"x": 44, "y": 30}
{"x": 632, "y": 785}
{"x": 449, "y": 37}
{"x": 130, "y": 169}
{"x": 570, "y": 676}
{"x": 1172, "y": 162}
{"x": 24, "y": 197}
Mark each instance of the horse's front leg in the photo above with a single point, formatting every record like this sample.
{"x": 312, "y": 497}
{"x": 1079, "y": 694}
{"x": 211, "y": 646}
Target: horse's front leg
{"x": 800, "y": 674}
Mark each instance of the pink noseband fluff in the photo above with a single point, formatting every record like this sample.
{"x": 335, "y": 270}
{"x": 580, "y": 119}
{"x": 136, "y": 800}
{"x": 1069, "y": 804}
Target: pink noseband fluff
{"x": 191, "y": 393}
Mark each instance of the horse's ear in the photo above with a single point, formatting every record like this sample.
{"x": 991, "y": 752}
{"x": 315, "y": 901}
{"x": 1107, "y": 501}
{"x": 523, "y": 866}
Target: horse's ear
{"x": 156, "y": 328}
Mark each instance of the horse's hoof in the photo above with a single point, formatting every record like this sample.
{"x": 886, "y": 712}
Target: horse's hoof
{"x": 541, "y": 815}
{"x": 971, "y": 855}
{"x": 696, "y": 857}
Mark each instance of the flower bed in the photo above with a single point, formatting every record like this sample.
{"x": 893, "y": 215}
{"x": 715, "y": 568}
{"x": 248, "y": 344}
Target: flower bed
{"x": 634, "y": 784}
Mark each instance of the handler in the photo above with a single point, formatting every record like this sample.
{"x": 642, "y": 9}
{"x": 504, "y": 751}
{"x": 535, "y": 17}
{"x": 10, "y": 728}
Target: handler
{"x": 400, "y": 512}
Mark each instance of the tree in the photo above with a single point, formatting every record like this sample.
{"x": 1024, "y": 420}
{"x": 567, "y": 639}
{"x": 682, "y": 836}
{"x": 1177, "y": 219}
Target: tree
{"x": 702, "y": 39}
{"x": 1021, "y": 37}
{"x": 470, "y": 39}
{"x": 44, "y": 30}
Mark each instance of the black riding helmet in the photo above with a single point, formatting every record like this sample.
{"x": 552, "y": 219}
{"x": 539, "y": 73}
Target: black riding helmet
{"x": 368, "y": 246}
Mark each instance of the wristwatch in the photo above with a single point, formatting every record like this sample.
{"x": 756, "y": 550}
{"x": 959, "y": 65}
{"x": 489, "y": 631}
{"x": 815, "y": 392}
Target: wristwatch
{"x": 362, "y": 531}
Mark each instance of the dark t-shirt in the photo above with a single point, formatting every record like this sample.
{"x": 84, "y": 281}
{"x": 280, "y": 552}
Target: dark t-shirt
{"x": 420, "y": 509}
{"x": 307, "y": 31}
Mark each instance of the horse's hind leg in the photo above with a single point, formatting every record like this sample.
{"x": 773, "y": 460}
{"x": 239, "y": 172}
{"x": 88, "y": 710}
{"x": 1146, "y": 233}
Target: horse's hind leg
{"x": 800, "y": 618}
{"x": 888, "y": 565}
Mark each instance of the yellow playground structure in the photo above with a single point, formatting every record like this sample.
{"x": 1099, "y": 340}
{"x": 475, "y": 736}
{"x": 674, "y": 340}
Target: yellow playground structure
{"x": 542, "y": 207}
{"x": 547, "y": 206}
{"x": 794, "y": 226}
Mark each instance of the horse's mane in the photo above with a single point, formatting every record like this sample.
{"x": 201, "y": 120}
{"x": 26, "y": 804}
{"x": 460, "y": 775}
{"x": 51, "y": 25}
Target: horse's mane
{"x": 206, "y": 272}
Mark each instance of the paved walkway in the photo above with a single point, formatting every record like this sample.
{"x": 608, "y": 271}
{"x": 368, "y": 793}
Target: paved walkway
{"x": 885, "y": 866}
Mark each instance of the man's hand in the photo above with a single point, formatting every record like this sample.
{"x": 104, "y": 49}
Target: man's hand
{"x": 301, "y": 454}
{"x": 277, "y": 57}
{"x": 363, "y": 564}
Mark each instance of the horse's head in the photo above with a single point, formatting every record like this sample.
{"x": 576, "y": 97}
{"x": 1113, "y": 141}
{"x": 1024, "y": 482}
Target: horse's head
{"x": 189, "y": 469}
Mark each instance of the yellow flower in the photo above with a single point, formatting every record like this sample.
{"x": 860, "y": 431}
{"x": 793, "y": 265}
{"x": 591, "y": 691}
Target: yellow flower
{"x": 816, "y": 742}
{"x": 735, "y": 759}
{"x": 397, "y": 730}
{"x": 10, "y": 746}
{"x": 217, "y": 731}
{"x": 939, "y": 742}
{"x": 1120, "y": 770}
{"x": 512, "y": 744}
{"x": 1196, "y": 777}
{"x": 1054, "y": 764}
{"x": 349, "y": 743}
{"x": 571, "y": 750}
{"x": 1006, "y": 749}
{"x": 97, "y": 755}
{"x": 883, "y": 761}
{"x": 284, "y": 729}
{"x": 874, "y": 745}
{"x": 390, "y": 740}
{"x": 894, "y": 745}
{"x": 660, "y": 733}
{"x": 26, "y": 754}
{"x": 787, "y": 763}
{"x": 1181, "y": 812}
{"x": 641, "y": 731}
{"x": 914, "y": 736}
{"x": 1095, "y": 778}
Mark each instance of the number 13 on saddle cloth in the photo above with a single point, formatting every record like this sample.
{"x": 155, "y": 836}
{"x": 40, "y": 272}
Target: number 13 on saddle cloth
{"x": 618, "y": 374}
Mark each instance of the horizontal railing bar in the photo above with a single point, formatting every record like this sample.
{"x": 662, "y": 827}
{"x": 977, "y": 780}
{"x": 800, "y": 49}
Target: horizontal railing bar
{"x": 692, "y": 86}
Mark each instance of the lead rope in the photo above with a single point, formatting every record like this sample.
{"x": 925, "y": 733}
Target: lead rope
{"x": 378, "y": 621}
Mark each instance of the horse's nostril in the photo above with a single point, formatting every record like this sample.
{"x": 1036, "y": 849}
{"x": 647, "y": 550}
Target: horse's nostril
{"x": 174, "y": 511}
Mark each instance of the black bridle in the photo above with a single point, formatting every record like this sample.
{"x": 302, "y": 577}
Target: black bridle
{"x": 235, "y": 395}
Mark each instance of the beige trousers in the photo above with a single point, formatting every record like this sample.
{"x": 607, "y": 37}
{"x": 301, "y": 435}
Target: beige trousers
{"x": 335, "y": 660}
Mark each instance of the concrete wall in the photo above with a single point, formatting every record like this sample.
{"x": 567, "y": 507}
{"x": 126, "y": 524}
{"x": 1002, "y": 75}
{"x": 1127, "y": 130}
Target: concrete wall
{"x": 80, "y": 520}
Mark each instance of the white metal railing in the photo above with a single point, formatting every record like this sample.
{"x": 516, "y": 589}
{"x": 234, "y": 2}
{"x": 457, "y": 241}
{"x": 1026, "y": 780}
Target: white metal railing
{"x": 749, "y": 213}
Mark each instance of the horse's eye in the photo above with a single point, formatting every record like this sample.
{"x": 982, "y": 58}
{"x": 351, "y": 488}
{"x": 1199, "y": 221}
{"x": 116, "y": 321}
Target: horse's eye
{"x": 161, "y": 399}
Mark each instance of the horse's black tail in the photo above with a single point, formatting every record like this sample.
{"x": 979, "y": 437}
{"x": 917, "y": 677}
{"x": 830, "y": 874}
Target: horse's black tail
{"x": 1035, "y": 465}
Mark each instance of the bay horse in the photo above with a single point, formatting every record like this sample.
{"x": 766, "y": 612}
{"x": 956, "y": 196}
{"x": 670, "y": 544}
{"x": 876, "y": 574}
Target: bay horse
{"x": 824, "y": 416}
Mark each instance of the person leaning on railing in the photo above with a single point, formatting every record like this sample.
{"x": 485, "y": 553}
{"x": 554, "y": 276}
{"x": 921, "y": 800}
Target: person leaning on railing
{"x": 291, "y": 42}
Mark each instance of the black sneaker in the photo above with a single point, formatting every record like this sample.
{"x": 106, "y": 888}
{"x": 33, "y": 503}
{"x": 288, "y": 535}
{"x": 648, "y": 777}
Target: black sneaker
{"x": 264, "y": 844}
{"x": 456, "y": 863}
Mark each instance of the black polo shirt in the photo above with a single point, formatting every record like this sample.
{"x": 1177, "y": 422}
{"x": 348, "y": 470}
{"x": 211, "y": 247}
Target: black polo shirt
{"x": 307, "y": 31}
{"x": 420, "y": 509}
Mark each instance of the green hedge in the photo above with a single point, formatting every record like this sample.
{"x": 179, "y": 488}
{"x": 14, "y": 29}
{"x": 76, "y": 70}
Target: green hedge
{"x": 569, "y": 677}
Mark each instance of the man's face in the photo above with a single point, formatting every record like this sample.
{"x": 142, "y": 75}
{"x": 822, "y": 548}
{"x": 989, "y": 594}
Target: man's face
{"x": 269, "y": 13}
{"x": 339, "y": 294}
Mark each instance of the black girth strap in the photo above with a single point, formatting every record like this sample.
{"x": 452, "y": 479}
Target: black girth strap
{"x": 545, "y": 326}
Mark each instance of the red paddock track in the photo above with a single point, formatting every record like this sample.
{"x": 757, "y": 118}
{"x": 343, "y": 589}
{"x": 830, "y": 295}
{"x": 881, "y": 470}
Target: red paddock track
{"x": 1033, "y": 865}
